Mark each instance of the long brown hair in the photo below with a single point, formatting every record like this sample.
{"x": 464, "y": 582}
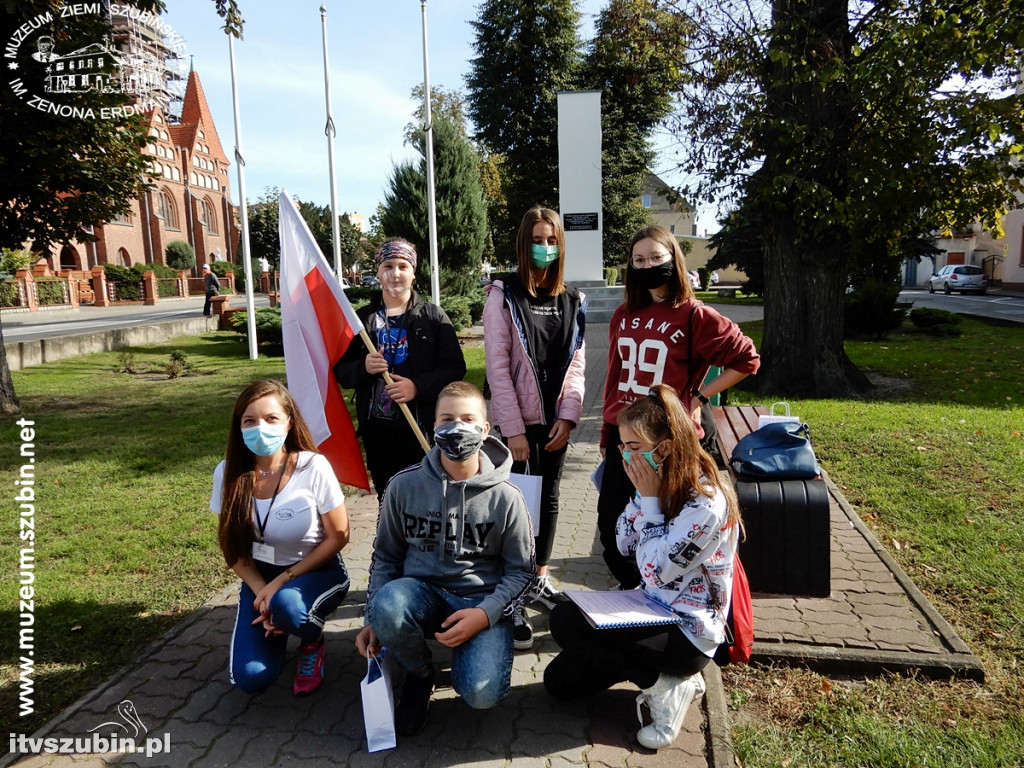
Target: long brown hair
{"x": 661, "y": 420}
{"x": 553, "y": 276}
{"x": 234, "y": 530}
{"x": 679, "y": 288}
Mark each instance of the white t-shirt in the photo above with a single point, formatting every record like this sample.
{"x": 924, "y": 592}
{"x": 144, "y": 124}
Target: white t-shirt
{"x": 293, "y": 526}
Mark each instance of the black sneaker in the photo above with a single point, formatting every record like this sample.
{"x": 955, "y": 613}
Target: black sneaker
{"x": 411, "y": 712}
{"x": 522, "y": 630}
{"x": 543, "y": 592}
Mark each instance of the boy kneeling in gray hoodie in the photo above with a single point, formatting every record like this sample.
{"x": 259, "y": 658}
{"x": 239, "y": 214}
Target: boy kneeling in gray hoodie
{"x": 453, "y": 555}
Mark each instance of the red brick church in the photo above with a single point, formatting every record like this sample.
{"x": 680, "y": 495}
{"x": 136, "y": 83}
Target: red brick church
{"x": 189, "y": 201}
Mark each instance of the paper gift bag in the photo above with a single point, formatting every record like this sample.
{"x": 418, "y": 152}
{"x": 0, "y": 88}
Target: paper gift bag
{"x": 780, "y": 417}
{"x": 378, "y": 704}
{"x": 529, "y": 485}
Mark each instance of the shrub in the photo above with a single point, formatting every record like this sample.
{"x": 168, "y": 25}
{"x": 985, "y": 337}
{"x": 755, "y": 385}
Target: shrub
{"x": 180, "y": 255}
{"x": 704, "y": 275}
{"x": 51, "y": 291}
{"x": 221, "y": 268}
{"x": 457, "y": 309}
{"x": 936, "y": 322}
{"x": 872, "y": 310}
{"x": 611, "y": 275}
{"x": 926, "y": 317}
{"x": 13, "y": 260}
{"x": 268, "y": 325}
{"x": 9, "y": 295}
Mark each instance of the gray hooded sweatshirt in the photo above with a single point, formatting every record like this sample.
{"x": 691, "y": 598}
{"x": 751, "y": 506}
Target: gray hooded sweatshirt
{"x": 469, "y": 537}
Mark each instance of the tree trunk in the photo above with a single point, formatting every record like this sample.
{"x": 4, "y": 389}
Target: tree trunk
{"x": 802, "y": 349}
{"x": 800, "y": 191}
{"x": 9, "y": 404}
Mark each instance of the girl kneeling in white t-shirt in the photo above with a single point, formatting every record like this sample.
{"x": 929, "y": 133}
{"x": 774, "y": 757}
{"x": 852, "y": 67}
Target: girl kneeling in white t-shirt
{"x": 282, "y": 526}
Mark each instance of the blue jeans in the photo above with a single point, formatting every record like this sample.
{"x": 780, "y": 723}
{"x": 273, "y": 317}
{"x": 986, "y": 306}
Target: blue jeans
{"x": 405, "y": 612}
{"x": 300, "y": 608}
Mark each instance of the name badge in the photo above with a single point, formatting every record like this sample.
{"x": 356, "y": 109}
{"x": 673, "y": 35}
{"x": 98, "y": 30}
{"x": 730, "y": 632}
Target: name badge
{"x": 263, "y": 552}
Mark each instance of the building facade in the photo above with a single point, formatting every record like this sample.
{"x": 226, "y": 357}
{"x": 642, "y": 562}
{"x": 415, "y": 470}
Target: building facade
{"x": 189, "y": 199}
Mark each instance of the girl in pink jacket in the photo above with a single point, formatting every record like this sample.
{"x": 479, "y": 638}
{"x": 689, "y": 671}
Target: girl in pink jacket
{"x": 534, "y": 326}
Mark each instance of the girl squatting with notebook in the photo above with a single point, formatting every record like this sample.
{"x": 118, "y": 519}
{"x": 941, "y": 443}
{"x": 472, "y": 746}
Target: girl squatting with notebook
{"x": 682, "y": 527}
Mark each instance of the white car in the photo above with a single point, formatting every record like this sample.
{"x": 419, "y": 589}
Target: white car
{"x": 958, "y": 277}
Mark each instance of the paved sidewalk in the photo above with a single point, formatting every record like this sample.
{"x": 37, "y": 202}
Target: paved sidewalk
{"x": 875, "y": 618}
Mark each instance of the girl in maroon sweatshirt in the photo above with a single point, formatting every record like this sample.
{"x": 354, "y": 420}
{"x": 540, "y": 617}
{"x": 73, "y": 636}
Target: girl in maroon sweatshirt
{"x": 661, "y": 334}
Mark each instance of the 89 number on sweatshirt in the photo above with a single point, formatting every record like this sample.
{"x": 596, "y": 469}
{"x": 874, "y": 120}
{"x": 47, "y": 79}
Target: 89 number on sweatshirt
{"x": 649, "y": 357}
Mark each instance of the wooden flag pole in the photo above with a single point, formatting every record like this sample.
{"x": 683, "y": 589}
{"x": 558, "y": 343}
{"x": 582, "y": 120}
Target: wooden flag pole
{"x": 404, "y": 406}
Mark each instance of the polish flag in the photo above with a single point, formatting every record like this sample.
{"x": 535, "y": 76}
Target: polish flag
{"x": 318, "y": 324}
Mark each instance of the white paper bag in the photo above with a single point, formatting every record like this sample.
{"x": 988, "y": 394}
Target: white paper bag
{"x": 529, "y": 485}
{"x": 378, "y": 704}
{"x": 774, "y": 418}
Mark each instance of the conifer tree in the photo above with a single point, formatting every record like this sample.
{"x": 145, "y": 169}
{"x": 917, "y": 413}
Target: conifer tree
{"x": 526, "y": 51}
{"x": 461, "y": 210}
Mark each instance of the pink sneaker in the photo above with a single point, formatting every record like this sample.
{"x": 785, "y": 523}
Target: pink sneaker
{"x": 309, "y": 672}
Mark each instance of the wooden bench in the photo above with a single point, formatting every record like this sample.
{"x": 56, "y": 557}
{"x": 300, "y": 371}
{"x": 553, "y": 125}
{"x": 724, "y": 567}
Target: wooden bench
{"x": 787, "y": 549}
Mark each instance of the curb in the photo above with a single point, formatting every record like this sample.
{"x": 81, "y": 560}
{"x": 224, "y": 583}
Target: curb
{"x": 719, "y": 749}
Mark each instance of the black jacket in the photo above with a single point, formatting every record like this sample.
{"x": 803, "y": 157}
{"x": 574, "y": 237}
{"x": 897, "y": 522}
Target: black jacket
{"x": 435, "y": 359}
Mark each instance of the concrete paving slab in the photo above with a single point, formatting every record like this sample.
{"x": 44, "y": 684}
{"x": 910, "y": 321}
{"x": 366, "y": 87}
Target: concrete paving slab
{"x": 874, "y": 619}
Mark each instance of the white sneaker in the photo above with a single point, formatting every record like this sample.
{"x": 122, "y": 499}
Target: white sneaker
{"x": 668, "y": 700}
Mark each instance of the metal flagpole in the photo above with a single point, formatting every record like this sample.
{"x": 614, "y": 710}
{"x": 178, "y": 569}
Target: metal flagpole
{"x": 330, "y": 131}
{"x": 435, "y": 276}
{"x": 250, "y": 305}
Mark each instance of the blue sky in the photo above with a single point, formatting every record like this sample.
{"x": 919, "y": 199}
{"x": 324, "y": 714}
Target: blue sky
{"x": 376, "y": 58}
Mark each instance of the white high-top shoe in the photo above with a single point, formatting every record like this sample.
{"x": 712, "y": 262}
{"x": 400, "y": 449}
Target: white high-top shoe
{"x": 668, "y": 700}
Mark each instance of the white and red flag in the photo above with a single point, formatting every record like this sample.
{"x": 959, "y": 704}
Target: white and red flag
{"x": 318, "y": 324}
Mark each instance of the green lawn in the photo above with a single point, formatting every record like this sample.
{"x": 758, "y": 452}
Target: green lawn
{"x": 935, "y": 466}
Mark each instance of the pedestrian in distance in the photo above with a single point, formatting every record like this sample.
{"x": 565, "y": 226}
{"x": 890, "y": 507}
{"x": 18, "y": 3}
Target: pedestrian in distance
{"x": 661, "y": 334}
{"x": 681, "y": 528}
{"x": 452, "y": 557}
{"x": 417, "y": 344}
{"x": 212, "y": 287}
{"x": 534, "y": 326}
{"x": 282, "y": 527}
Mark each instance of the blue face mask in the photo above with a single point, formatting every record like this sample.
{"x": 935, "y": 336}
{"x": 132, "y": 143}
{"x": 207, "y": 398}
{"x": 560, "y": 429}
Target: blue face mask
{"x": 649, "y": 455}
{"x": 265, "y": 440}
{"x": 542, "y": 255}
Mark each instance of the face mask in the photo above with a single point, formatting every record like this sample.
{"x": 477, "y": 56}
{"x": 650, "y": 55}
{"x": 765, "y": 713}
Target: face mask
{"x": 542, "y": 255}
{"x": 265, "y": 440}
{"x": 653, "y": 277}
{"x": 649, "y": 455}
{"x": 458, "y": 440}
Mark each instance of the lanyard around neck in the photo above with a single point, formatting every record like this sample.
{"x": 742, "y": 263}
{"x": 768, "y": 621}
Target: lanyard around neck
{"x": 261, "y": 525}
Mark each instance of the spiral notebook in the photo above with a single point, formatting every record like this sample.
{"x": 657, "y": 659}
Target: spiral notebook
{"x": 618, "y": 608}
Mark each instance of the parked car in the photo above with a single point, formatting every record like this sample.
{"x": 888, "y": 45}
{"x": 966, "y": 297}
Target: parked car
{"x": 959, "y": 277}
{"x": 694, "y": 280}
{"x": 370, "y": 281}
{"x": 345, "y": 283}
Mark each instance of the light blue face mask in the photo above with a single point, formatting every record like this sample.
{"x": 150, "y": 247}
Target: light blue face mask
{"x": 265, "y": 440}
{"x": 649, "y": 455}
{"x": 542, "y": 255}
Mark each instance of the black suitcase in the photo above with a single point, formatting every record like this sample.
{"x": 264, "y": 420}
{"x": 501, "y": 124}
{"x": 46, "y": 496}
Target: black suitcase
{"x": 787, "y": 549}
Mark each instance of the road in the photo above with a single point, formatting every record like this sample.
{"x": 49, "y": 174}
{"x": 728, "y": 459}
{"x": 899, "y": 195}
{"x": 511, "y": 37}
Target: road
{"x": 31, "y": 326}
{"x": 993, "y": 305}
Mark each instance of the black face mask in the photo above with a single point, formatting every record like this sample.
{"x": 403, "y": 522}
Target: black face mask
{"x": 458, "y": 440}
{"x": 654, "y": 277}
